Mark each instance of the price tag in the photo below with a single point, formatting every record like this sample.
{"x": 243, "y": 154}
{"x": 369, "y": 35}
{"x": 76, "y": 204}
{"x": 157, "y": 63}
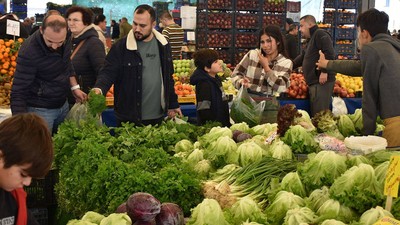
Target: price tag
{"x": 387, "y": 221}
{"x": 12, "y": 27}
{"x": 271, "y": 137}
{"x": 393, "y": 177}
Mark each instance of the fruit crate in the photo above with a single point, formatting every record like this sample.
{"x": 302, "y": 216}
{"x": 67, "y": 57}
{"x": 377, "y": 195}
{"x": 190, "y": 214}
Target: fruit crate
{"x": 187, "y": 99}
{"x": 41, "y": 191}
{"x": 221, "y": 20}
{"x": 274, "y": 6}
{"x": 221, "y": 4}
{"x": 41, "y": 215}
{"x": 239, "y": 54}
{"x": 109, "y": 101}
{"x": 247, "y": 5}
{"x": 215, "y": 39}
{"x": 225, "y": 54}
{"x": 273, "y": 19}
{"x": 329, "y": 16}
{"x": 330, "y": 3}
{"x": 345, "y": 33}
{"x": 345, "y": 17}
{"x": 347, "y": 4}
{"x": 246, "y": 40}
{"x": 345, "y": 49}
{"x": 247, "y": 21}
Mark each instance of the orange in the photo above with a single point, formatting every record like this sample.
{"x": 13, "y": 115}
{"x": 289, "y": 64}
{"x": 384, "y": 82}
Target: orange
{"x": 20, "y": 40}
{"x": 6, "y": 65}
{"x": 1, "y": 42}
{"x": 3, "y": 71}
{"x": 13, "y": 58}
{"x": 13, "y": 64}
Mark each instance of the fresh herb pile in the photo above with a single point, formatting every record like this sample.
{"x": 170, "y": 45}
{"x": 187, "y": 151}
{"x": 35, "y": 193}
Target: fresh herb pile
{"x": 99, "y": 171}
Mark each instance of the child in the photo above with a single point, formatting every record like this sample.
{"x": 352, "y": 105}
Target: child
{"x": 212, "y": 103}
{"x": 26, "y": 151}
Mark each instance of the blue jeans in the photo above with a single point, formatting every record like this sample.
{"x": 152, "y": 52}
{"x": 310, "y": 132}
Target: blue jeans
{"x": 53, "y": 117}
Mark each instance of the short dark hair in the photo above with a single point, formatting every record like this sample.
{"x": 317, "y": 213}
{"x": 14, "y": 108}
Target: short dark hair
{"x": 57, "y": 24}
{"x": 146, "y": 8}
{"x": 275, "y": 32}
{"x": 26, "y": 139}
{"x": 99, "y": 18}
{"x": 166, "y": 15}
{"x": 309, "y": 19}
{"x": 87, "y": 14}
{"x": 374, "y": 21}
{"x": 292, "y": 27}
{"x": 205, "y": 58}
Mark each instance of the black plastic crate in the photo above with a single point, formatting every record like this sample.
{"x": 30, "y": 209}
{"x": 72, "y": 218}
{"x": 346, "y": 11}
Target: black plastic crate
{"x": 329, "y": 16}
{"x": 41, "y": 215}
{"x": 41, "y": 191}
{"x": 345, "y": 49}
{"x": 345, "y": 17}
{"x": 345, "y": 33}
{"x": 330, "y": 3}
{"x": 347, "y": 4}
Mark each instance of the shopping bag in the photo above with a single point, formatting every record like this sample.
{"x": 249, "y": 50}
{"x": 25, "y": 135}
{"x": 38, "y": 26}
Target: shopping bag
{"x": 338, "y": 106}
{"x": 245, "y": 109}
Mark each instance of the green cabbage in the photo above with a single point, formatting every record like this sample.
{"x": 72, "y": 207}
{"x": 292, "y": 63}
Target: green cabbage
{"x": 93, "y": 217}
{"x": 283, "y": 202}
{"x": 300, "y": 140}
{"x": 357, "y": 188}
{"x": 80, "y": 222}
{"x": 346, "y": 126}
{"x": 222, "y": 151}
{"x": 291, "y": 182}
{"x": 355, "y": 160}
{"x": 380, "y": 173}
{"x": 332, "y": 209}
{"x": 183, "y": 145}
{"x": 207, "y": 212}
{"x": 300, "y": 215}
{"x": 240, "y": 126}
{"x": 251, "y": 223}
{"x": 246, "y": 209}
{"x": 117, "y": 218}
{"x": 332, "y": 222}
{"x": 203, "y": 167}
{"x": 195, "y": 157}
{"x": 356, "y": 117}
{"x": 372, "y": 216}
{"x": 249, "y": 152}
{"x": 213, "y": 135}
{"x": 280, "y": 150}
{"x": 322, "y": 169}
{"x": 317, "y": 198}
{"x": 264, "y": 129}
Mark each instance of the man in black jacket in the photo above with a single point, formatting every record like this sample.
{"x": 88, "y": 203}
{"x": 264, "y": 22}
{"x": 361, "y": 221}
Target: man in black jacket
{"x": 140, "y": 67}
{"x": 44, "y": 74}
{"x": 320, "y": 82}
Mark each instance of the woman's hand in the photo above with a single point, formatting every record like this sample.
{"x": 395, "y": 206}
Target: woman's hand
{"x": 245, "y": 82}
{"x": 263, "y": 61}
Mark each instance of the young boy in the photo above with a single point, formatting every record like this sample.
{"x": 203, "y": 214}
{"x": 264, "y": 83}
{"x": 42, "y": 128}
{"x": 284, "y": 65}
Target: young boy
{"x": 26, "y": 151}
{"x": 212, "y": 103}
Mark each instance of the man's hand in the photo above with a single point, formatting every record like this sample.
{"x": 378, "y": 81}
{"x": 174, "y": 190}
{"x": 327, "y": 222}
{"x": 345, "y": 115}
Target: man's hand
{"x": 79, "y": 95}
{"x": 322, "y": 62}
{"x": 323, "y": 77}
{"x": 172, "y": 112}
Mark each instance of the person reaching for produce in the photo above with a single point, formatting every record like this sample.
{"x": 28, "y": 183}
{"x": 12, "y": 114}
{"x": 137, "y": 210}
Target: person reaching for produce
{"x": 212, "y": 102}
{"x": 348, "y": 67}
{"x": 266, "y": 71}
{"x": 26, "y": 151}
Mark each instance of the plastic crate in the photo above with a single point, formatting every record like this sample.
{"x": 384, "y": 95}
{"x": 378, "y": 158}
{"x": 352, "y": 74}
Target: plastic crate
{"x": 345, "y": 33}
{"x": 301, "y": 157}
{"x": 187, "y": 99}
{"x": 41, "y": 191}
{"x": 109, "y": 101}
{"x": 345, "y": 49}
{"x": 329, "y": 17}
{"x": 248, "y": 5}
{"x": 41, "y": 215}
{"x": 347, "y": 4}
{"x": 246, "y": 40}
{"x": 328, "y": 29}
{"x": 330, "y": 3}
{"x": 346, "y": 17}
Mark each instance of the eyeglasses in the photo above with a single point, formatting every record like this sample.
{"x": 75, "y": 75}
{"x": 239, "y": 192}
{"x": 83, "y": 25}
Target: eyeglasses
{"x": 74, "y": 20}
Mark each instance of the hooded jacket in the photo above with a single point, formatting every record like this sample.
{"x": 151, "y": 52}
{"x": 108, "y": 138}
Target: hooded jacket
{"x": 89, "y": 59}
{"x": 212, "y": 103}
{"x": 381, "y": 80}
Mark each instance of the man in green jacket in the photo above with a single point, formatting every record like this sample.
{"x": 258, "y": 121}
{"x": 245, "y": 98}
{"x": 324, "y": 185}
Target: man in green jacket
{"x": 124, "y": 28}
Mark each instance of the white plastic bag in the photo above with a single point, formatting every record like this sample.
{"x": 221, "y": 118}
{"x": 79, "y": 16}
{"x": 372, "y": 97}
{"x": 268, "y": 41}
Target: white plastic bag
{"x": 338, "y": 106}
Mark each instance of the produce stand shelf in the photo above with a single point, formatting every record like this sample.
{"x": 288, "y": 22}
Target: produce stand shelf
{"x": 187, "y": 99}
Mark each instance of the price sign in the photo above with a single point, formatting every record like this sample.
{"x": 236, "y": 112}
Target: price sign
{"x": 12, "y": 27}
{"x": 387, "y": 221}
{"x": 393, "y": 177}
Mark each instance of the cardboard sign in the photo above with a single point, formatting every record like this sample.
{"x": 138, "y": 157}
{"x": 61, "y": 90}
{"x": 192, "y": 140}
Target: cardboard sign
{"x": 12, "y": 27}
{"x": 387, "y": 221}
{"x": 393, "y": 177}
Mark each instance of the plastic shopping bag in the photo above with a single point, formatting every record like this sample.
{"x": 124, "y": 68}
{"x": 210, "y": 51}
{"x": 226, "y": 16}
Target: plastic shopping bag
{"x": 245, "y": 109}
{"x": 338, "y": 106}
